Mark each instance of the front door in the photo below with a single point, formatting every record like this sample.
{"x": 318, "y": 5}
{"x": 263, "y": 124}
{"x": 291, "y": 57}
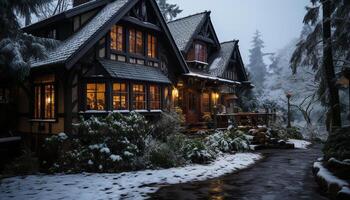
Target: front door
{"x": 193, "y": 111}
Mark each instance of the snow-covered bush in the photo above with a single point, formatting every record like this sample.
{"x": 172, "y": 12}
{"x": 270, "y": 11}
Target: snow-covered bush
{"x": 168, "y": 124}
{"x": 197, "y": 151}
{"x": 338, "y": 145}
{"x": 105, "y": 144}
{"x": 228, "y": 141}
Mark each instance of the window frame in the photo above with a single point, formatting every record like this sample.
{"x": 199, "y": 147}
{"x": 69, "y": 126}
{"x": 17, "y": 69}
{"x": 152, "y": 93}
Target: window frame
{"x": 133, "y": 94}
{"x": 42, "y": 107}
{"x": 153, "y": 47}
{"x": 119, "y": 39}
{"x": 120, "y": 93}
{"x": 134, "y": 37}
{"x": 106, "y": 96}
{"x": 157, "y": 98}
{"x": 201, "y": 52}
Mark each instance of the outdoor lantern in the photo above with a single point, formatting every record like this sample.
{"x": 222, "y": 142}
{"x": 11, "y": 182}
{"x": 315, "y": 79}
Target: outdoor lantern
{"x": 175, "y": 92}
{"x": 48, "y": 100}
{"x": 215, "y": 96}
{"x": 289, "y": 95}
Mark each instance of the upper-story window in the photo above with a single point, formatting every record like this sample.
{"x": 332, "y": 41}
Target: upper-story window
{"x": 200, "y": 52}
{"x": 136, "y": 42}
{"x": 117, "y": 38}
{"x": 151, "y": 46}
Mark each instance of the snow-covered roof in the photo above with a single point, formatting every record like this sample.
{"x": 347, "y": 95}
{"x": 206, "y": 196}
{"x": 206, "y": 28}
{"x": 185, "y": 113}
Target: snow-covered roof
{"x": 209, "y": 77}
{"x": 134, "y": 72}
{"x": 73, "y": 44}
{"x": 183, "y": 29}
{"x": 222, "y": 58}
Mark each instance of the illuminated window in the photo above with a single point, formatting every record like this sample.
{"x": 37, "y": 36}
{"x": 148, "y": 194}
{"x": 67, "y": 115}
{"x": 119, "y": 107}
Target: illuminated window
{"x": 136, "y": 42}
{"x": 117, "y": 35}
{"x": 200, "y": 52}
{"x": 95, "y": 96}
{"x": 139, "y": 96}
{"x": 44, "y": 101}
{"x": 151, "y": 46}
{"x": 154, "y": 97}
{"x": 166, "y": 98}
{"x": 120, "y": 96}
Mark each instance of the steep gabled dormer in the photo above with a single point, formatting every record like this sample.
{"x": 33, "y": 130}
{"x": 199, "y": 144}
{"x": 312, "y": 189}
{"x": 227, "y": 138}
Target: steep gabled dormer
{"x": 196, "y": 38}
{"x": 227, "y": 63}
{"x": 63, "y": 25}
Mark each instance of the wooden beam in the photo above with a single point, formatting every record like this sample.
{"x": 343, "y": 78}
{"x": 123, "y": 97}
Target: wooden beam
{"x": 140, "y": 23}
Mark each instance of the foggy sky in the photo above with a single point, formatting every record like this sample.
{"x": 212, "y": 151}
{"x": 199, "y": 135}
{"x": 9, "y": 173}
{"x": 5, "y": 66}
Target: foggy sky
{"x": 279, "y": 21}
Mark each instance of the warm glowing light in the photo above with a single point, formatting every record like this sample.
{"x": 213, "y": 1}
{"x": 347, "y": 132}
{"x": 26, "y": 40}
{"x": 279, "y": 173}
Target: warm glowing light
{"x": 216, "y": 96}
{"x": 48, "y": 100}
{"x": 175, "y": 92}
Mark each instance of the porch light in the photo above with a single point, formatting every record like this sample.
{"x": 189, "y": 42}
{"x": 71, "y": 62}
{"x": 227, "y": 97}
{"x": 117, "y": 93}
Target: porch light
{"x": 175, "y": 92}
{"x": 48, "y": 100}
{"x": 215, "y": 98}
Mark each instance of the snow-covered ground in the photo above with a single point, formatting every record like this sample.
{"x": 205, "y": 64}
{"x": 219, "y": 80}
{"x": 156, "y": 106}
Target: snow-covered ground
{"x": 299, "y": 144}
{"x": 128, "y": 185}
{"x": 330, "y": 179}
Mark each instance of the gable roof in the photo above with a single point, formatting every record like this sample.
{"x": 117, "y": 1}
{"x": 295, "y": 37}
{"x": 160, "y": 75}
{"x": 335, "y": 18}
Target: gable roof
{"x": 90, "y": 5}
{"x": 71, "y": 49}
{"x": 134, "y": 72}
{"x": 71, "y": 45}
{"x": 184, "y": 29}
{"x": 222, "y": 58}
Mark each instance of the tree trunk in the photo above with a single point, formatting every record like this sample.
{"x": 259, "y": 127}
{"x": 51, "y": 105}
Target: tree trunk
{"x": 328, "y": 66}
{"x": 28, "y": 19}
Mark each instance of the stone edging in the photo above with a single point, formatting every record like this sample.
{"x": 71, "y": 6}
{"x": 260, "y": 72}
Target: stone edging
{"x": 334, "y": 187}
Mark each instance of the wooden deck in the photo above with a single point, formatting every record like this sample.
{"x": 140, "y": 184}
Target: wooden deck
{"x": 245, "y": 119}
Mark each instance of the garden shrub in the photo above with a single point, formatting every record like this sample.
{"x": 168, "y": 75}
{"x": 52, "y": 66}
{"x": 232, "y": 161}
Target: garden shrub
{"x": 294, "y": 133}
{"x": 228, "y": 141}
{"x": 338, "y": 145}
{"x": 101, "y": 144}
{"x": 168, "y": 124}
{"x": 26, "y": 163}
{"x": 197, "y": 152}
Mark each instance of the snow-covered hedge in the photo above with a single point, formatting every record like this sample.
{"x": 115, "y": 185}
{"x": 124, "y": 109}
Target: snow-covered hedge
{"x": 105, "y": 144}
{"x": 128, "y": 142}
{"x": 228, "y": 141}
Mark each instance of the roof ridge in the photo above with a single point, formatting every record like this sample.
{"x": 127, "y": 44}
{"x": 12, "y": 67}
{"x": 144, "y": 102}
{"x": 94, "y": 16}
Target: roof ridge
{"x": 229, "y": 41}
{"x": 192, "y": 15}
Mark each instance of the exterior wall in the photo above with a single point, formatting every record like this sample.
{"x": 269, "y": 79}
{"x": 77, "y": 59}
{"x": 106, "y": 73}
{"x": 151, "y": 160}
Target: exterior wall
{"x": 26, "y": 123}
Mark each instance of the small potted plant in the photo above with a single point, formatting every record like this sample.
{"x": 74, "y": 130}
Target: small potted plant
{"x": 209, "y": 120}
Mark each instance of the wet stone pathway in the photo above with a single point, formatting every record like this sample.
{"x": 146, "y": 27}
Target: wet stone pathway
{"x": 282, "y": 175}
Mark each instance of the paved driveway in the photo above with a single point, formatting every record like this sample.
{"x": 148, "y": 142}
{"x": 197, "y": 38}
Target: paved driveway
{"x": 282, "y": 175}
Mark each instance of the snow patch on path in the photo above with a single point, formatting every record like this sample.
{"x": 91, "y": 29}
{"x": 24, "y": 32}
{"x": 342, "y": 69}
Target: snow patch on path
{"x": 127, "y": 185}
{"x": 299, "y": 144}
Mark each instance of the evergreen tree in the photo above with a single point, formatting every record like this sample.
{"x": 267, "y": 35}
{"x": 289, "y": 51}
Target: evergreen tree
{"x": 331, "y": 32}
{"x": 16, "y": 47}
{"x": 256, "y": 65}
{"x": 169, "y": 11}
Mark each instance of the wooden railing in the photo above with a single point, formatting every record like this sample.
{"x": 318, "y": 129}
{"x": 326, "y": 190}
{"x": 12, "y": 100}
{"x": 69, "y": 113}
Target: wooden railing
{"x": 244, "y": 119}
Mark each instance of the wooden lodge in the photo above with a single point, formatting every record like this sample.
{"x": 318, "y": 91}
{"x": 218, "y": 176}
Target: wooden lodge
{"x": 119, "y": 56}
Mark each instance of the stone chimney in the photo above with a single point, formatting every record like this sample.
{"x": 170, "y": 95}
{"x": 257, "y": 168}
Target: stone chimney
{"x": 78, "y": 2}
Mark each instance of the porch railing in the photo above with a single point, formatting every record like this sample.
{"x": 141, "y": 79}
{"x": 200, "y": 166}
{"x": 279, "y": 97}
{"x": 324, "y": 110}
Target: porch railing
{"x": 244, "y": 119}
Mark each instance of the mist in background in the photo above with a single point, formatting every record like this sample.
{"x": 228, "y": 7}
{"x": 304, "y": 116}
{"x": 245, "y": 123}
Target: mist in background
{"x": 279, "y": 21}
